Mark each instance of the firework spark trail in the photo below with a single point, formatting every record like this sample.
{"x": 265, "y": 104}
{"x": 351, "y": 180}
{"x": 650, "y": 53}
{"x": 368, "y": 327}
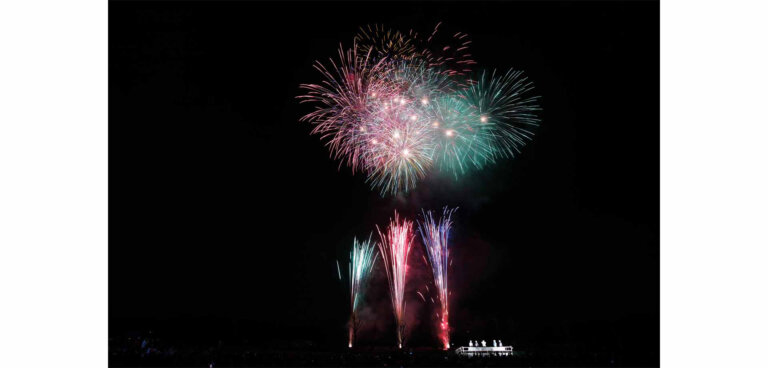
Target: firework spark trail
{"x": 434, "y": 235}
{"x": 395, "y": 245}
{"x": 362, "y": 257}
{"x": 397, "y": 105}
{"x": 449, "y": 52}
{"x": 385, "y": 43}
{"x": 421, "y": 295}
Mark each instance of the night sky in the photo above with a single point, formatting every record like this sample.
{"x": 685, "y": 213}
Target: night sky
{"x": 227, "y": 217}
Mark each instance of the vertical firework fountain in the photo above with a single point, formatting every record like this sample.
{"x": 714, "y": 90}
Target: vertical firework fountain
{"x": 434, "y": 235}
{"x": 395, "y": 246}
{"x": 362, "y": 257}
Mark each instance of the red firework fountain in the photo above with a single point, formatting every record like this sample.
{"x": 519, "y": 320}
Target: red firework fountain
{"x": 394, "y": 247}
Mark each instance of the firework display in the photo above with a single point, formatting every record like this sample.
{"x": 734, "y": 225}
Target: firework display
{"x": 395, "y": 245}
{"x": 362, "y": 257}
{"x": 397, "y": 105}
{"x": 434, "y": 236}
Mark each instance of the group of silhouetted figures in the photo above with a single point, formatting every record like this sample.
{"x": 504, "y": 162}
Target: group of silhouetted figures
{"x": 495, "y": 343}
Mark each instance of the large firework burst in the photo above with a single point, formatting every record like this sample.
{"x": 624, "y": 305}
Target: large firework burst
{"x": 342, "y": 103}
{"x": 397, "y": 105}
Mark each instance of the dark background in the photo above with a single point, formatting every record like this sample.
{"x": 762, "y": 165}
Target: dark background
{"x": 227, "y": 217}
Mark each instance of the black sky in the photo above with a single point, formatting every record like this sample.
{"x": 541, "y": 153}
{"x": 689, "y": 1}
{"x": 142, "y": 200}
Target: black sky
{"x": 226, "y": 216}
